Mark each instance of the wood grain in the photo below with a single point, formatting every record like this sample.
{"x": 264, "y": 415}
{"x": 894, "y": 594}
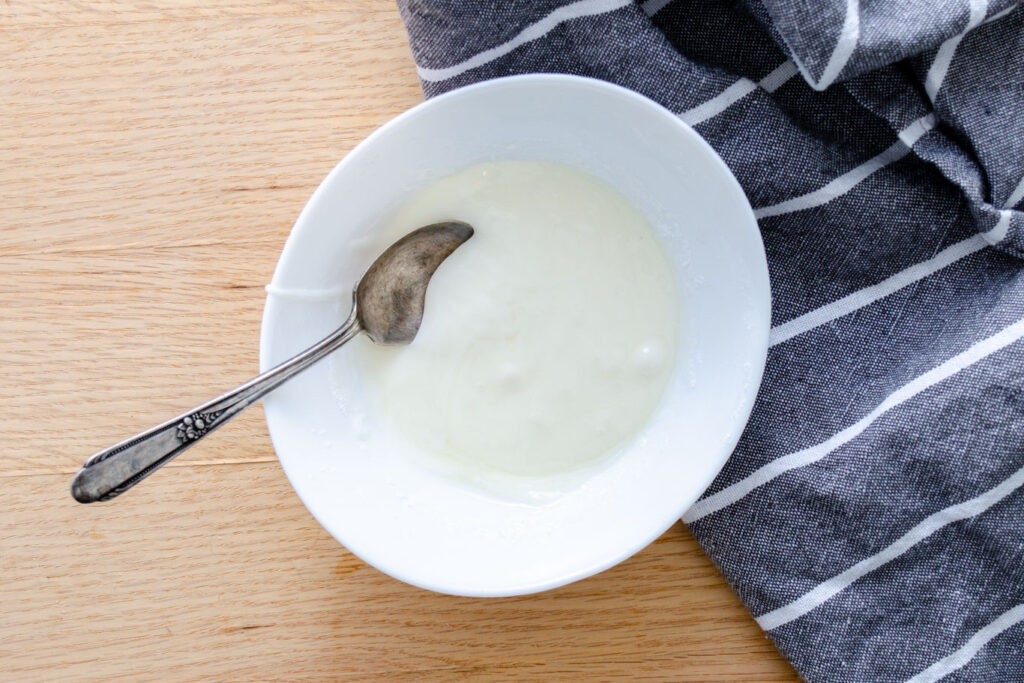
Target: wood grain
{"x": 155, "y": 156}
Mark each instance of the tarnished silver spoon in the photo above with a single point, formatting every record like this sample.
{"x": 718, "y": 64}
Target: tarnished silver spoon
{"x": 387, "y": 304}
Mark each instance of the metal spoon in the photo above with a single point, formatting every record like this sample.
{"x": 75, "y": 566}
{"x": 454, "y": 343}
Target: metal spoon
{"x": 387, "y": 304}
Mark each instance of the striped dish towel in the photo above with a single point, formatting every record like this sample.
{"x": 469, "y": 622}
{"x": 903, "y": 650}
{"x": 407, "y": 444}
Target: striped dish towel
{"x": 872, "y": 515}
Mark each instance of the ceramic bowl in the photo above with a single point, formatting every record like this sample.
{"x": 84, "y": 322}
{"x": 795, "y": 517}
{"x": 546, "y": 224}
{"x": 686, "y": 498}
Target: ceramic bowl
{"x": 357, "y": 476}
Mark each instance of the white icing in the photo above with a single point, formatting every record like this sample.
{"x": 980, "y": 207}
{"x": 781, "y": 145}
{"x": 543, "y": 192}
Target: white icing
{"x": 548, "y": 338}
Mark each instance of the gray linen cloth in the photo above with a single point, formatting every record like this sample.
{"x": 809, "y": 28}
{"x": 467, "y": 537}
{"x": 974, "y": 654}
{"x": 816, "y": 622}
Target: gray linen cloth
{"x": 872, "y": 516}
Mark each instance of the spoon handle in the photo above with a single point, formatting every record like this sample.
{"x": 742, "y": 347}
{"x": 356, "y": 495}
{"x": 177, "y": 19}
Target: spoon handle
{"x": 113, "y": 471}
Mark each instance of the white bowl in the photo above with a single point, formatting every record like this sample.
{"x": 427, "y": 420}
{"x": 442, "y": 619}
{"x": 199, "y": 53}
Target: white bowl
{"x": 356, "y": 475}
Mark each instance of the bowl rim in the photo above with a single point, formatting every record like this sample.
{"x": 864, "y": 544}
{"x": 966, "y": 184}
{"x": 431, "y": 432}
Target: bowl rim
{"x": 760, "y": 335}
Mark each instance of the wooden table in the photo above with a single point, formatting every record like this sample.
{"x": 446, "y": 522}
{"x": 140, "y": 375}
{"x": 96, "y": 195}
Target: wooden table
{"x": 155, "y": 155}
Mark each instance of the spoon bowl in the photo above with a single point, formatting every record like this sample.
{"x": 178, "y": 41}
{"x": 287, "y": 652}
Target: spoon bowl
{"x": 390, "y": 296}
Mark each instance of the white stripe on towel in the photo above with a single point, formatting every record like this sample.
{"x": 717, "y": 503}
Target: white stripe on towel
{"x": 845, "y": 45}
{"x": 779, "y": 75}
{"x": 944, "y": 57}
{"x": 731, "y": 494}
{"x": 1001, "y": 229}
{"x": 965, "y": 654}
{"x": 922, "y": 530}
{"x": 862, "y": 297}
{"x": 538, "y": 29}
{"x": 847, "y": 181}
{"x": 737, "y": 91}
{"x": 1016, "y": 195}
{"x": 652, "y": 7}
{"x": 1000, "y": 15}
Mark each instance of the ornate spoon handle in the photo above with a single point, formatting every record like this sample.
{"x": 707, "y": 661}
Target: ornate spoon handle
{"x": 116, "y": 469}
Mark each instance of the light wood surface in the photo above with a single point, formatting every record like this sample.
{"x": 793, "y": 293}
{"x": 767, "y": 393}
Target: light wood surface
{"x": 155, "y": 155}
